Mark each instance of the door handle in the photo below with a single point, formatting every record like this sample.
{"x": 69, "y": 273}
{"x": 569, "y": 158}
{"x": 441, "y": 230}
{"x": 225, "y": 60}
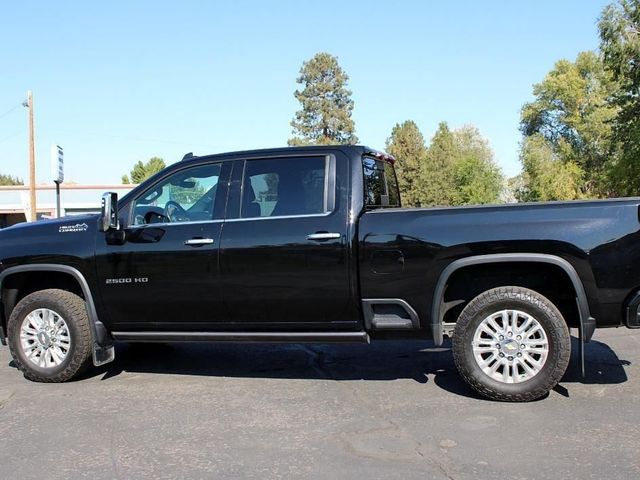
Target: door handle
{"x": 194, "y": 242}
{"x": 324, "y": 236}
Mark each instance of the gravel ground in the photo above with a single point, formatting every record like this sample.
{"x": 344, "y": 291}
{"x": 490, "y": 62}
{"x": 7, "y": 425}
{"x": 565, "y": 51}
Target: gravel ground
{"x": 388, "y": 410}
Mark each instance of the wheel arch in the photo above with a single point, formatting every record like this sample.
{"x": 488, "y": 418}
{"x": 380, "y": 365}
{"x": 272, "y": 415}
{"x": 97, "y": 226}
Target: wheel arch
{"x": 586, "y": 321}
{"x": 101, "y": 338}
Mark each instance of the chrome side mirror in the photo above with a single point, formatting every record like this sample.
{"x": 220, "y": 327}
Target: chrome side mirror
{"x": 109, "y": 214}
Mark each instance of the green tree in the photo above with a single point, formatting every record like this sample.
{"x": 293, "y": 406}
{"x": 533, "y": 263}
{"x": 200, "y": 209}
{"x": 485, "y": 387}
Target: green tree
{"x": 406, "y": 144}
{"x": 459, "y": 169}
{"x": 141, "y": 171}
{"x": 572, "y": 112}
{"x": 476, "y": 177}
{"x": 325, "y": 116}
{"x": 10, "y": 180}
{"x": 545, "y": 175}
{"x": 620, "y": 45}
{"x": 436, "y": 186}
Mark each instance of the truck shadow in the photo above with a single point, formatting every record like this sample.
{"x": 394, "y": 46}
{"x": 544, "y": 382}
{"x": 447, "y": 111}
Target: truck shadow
{"x": 420, "y": 361}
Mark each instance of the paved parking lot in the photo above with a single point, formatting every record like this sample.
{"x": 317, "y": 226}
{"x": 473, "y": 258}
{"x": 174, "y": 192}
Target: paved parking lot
{"x": 389, "y": 410}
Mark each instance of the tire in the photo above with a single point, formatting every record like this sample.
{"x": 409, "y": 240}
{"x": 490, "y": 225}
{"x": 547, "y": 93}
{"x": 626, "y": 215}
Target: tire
{"x": 517, "y": 367}
{"x": 67, "y": 347}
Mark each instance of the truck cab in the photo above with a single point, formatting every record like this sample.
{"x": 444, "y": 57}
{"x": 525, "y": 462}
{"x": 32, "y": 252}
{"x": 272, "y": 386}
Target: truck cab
{"x": 258, "y": 242}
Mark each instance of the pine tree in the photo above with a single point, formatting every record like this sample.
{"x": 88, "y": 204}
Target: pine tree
{"x": 436, "y": 176}
{"x": 325, "y": 116}
{"x": 406, "y": 144}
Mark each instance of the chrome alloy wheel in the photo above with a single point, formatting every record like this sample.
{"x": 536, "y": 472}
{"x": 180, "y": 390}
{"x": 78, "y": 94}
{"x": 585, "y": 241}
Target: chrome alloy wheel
{"x": 510, "y": 346}
{"x": 45, "y": 338}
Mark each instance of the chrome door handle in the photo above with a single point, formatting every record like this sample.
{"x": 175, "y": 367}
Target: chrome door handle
{"x": 199, "y": 241}
{"x": 324, "y": 236}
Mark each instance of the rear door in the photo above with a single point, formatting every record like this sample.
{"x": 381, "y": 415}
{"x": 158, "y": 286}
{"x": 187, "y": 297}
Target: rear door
{"x": 284, "y": 254}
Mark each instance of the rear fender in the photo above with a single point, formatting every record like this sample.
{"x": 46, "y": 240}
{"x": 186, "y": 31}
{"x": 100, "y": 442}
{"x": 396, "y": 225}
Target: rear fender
{"x": 587, "y": 322}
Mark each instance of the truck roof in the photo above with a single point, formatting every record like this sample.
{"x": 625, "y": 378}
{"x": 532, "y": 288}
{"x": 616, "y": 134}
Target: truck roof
{"x": 348, "y": 149}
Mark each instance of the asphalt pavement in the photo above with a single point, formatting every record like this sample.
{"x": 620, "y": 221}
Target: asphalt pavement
{"x": 387, "y": 410}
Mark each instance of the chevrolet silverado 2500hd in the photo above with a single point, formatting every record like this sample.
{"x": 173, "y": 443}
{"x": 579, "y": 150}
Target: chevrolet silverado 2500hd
{"x": 311, "y": 244}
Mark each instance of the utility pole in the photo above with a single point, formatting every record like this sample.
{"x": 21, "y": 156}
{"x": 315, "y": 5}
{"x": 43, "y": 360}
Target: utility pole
{"x": 32, "y": 158}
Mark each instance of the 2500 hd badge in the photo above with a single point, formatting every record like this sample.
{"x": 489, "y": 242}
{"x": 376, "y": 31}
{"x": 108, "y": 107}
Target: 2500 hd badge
{"x": 111, "y": 281}
{"x": 311, "y": 244}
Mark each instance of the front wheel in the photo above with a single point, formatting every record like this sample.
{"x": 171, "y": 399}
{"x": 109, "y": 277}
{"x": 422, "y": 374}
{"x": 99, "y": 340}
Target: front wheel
{"x": 511, "y": 344}
{"x": 49, "y": 336}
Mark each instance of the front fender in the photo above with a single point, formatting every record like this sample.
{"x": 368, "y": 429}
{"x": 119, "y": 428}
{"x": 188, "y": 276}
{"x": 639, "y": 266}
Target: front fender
{"x": 103, "y": 351}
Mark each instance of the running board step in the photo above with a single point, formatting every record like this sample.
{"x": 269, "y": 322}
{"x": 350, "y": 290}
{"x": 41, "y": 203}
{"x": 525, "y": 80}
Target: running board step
{"x": 240, "y": 337}
{"x": 389, "y": 314}
{"x": 388, "y": 322}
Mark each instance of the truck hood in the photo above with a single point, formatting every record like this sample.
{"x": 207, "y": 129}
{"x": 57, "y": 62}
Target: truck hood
{"x": 49, "y": 241}
{"x": 60, "y": 225}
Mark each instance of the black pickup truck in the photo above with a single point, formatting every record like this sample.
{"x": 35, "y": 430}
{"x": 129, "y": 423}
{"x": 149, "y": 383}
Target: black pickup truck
{"x": 311, "y": 244}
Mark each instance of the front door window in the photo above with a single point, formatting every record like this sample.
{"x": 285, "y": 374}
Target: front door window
{"x": 185, "y": 196}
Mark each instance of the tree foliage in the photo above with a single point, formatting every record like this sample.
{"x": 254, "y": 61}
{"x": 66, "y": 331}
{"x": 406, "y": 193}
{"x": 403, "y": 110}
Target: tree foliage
{"x": 457, "y": 168}
{"x": 436, "y": 177}
{"x": 325, "y": 116}
{"x": 620, "y": 45}
{"x": 573, "y": 115}
{"x": 10, "y": 180}
{"x": 407, "y": 145}
{"x": 582, "y": 131}
{"x": 141, "y": 171}
{"x": 545, "y": 175}
{"x": 476, "y": 177}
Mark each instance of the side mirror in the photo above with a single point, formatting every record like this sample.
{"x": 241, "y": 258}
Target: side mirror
{"x": 109, "y": 215}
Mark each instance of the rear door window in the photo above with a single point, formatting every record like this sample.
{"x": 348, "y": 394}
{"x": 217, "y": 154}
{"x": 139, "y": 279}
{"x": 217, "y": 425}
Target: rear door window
{"x": 284, "y": 187}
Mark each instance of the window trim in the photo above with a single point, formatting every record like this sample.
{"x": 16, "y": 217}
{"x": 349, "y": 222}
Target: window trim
{"x": 329, "y": 201}
{"x": 169, "y": 224}
{"x": 303, "y": 215}
{"x": 395, "y": 176}
{"x": 132, "y": 204}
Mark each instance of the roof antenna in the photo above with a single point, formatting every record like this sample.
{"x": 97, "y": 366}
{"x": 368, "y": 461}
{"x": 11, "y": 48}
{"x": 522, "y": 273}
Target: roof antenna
{"x": 187, "y": 156}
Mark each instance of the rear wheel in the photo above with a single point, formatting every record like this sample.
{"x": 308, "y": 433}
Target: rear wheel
{"x": 49, "y": 336}
{"x": 511, "y": 344}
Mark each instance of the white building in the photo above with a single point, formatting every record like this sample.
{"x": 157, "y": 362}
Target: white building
{"x": 74, "y": 199}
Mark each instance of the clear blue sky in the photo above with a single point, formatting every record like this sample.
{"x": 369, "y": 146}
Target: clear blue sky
{"x": 116, "y": 82}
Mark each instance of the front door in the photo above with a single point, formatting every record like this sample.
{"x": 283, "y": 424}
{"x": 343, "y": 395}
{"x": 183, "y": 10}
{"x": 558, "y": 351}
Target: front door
{"x": 165, "y": 276}
{"x": 284, "y": 259}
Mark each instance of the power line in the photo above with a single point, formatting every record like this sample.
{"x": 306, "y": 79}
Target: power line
{"x": 10, "y": 110}
{"x": 133, "y": 139}
{"x": 14, "y": 134}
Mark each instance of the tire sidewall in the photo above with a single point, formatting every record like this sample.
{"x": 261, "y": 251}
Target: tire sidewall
{"x": 25, "y": 307}
{"x": 547, "y": 318}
